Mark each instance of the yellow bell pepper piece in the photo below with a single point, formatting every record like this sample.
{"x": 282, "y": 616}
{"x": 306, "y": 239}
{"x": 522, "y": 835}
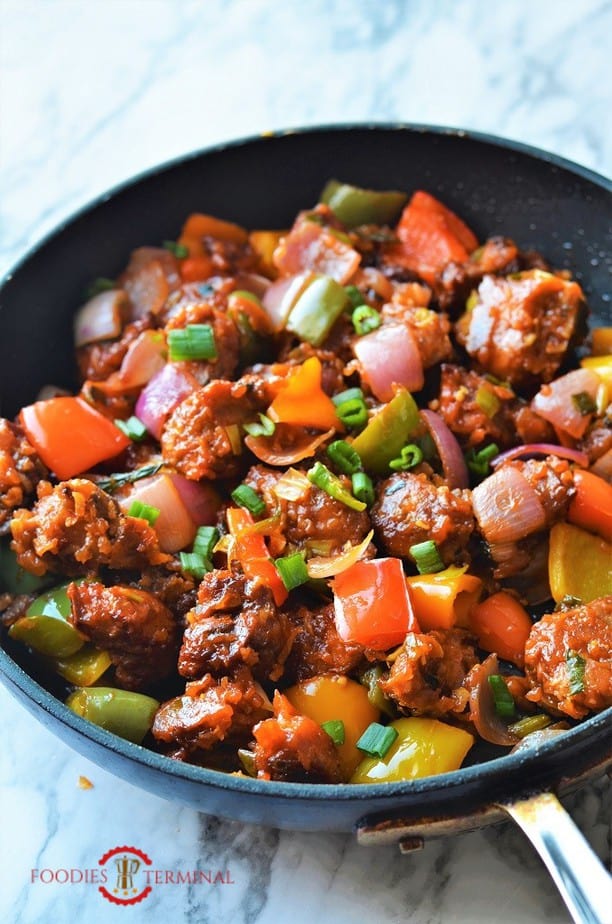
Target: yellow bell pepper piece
{"x": 579, "y": 564}
{"x": 444, "y": 599}
{"x": 329, "y": 697}
{"x": 83, "y": 668}
{"x": 601, "y": 366}
{"x": 424, "y": 747}
{"x": 264, "y": 243}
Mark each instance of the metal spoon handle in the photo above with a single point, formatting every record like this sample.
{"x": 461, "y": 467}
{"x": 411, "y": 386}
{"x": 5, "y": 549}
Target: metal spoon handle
{"x": 580, "y": 877}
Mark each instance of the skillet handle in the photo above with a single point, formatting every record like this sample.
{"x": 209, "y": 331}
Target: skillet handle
{"x": 577, "y": 872}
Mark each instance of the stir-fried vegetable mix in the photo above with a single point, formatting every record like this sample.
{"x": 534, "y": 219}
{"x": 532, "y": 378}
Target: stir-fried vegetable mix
{"x": 332, "y": 504}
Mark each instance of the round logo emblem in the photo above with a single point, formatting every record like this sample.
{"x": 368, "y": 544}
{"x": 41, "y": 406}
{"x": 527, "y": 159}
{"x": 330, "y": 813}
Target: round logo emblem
{"x": 125, "y": 885}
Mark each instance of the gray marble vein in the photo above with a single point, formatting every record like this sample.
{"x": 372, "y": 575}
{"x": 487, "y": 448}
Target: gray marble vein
{"x": 93, "y": 91}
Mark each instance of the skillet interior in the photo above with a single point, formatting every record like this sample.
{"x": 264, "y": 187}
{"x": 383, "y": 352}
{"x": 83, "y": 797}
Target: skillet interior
{"x": 537, "y": 199}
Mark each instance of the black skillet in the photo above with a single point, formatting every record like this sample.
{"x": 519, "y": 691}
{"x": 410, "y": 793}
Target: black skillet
{"x": 538, "y": 199}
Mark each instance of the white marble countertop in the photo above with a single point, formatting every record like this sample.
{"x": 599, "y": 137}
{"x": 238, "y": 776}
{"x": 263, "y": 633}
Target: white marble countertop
{"x": 92, "y": 91}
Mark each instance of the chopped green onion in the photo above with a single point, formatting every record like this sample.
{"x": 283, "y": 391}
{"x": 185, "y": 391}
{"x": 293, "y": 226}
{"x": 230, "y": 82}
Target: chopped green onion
{"x": 292, "y": 569}
{"x": 350, "y": 394}
{"x": 365, "y": 319}
{"x": 101, "y": 284}
{"x": 117, "y": 480}
{"x": 355, "y": 296}
{"x": 205, "y": 541}
{"x": 377, "y": 739}
{"x": 478, "y": 462}
{"x": 353, "y": 413}
{"x": 335, "y": 730}
{"x": 369, "y": 679}
{"x": 487, "y": 401}
{"x": 321, "y": 476}
{"x": 144, "y": 512}
{"x": 265, "y": 427}
{"x": 502, "y": 697}
{"x": 246, "y": 497}
{"x": 410, "y": 456}
{"x": 426, "y": 557}
{"x": 133, "y": 428}
{"x": 195, "y": 564}
{"x": 584, "y": 403}
{"x": 575, "y": 669}
{"x": 179, "y": 250}
{"x": 244, "y": 293}
{"x": 196, "y": 341}
{"x": 363, "y": 489}
{"x": 529, "y": 724}
{"x": 344, "y": 457}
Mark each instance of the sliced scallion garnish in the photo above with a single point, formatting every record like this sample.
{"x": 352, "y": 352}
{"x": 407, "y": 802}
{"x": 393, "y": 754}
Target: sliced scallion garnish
{"x": 575, "y": 669}
{"x": 365, "y": 319}
{"x": 265, "y": 427}
{"x": 321, "y": 476}
{"x": 409, "y": 457}
{"x": 133, "y": 428}
{"x": 195, "y": 564}
{"x": 377, "y": 739}
{"x": 144, "y": 512}
{"x": 426, "y": 557}
{"x": 194, "y": 342}
{"x": 179, "y": 250}
{"x": 246, "y": 497}
{"x": 504, "y": 703}
{"x": 363, "y": 489}
{"x": 292, "y": 570}
{"x": 344, "y": 457}
{"x": 335, "y": 730}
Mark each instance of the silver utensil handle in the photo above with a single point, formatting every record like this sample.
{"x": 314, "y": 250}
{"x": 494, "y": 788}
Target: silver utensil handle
{"x": 580, "y": 877}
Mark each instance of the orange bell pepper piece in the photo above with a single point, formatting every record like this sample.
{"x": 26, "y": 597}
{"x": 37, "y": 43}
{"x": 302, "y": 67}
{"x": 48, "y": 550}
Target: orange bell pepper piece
{"x": 591, "y": 506}
{"x": 194, "y": 269}
{"x": 502, "y": 626}
{"x": 601, "y": 339}
{"x": 444, "y": 599}
{"x": 252, "y": 553}
{"x": 70, "y": 436}
{"x": 199, "y": 226}
{"x": 302, "y": 400}
{"x": 264, "y": 243}
{"x": 431, "y": 236}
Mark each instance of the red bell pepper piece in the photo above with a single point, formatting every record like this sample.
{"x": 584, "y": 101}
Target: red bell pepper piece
{"x": 372, "y": 604}
{"x": 431, "y": 236}
{"x": 70, "y": 436}
{"x": 252, "y": 553}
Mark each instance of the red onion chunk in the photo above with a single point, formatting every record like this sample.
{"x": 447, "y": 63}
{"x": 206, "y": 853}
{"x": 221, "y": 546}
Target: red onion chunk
{"x": 541, "y": 449}
{"x": 145, "y": 357}
{"x": 282, "y": 295}
{"x": 252, "y": 282}
{"x": 161, "y": 395}
{"x": 390, "y": 357}
{"x": 200, "y": 499}
{"x": 310, "y": 246}
{"x": 100, "y": 318}
{"x": 507, "y": 507}
{"x": 449, "y": 450}
{"x": 174, "y": 526}
{"x": 554, "y": 402}
{"x": 482, "y": 705}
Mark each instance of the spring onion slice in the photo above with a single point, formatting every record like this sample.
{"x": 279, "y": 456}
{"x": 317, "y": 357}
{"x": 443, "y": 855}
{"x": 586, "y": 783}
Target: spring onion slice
{"x": 335, "y": 730}
{"x": 409, "y": 457}
{"x": 363, "y": 489}
{"x": 194, "y": 342}
{"x": 377, "y": 739}
{"x": 504, "y": 703}
{"x": 179, "y": 250}
{"x": 265, "y": 427}
{"x": 133, "y": 428}
{"x": 195, "y": 564}
{"x": 246, "y": 497}
{"x": 292, "y": 570}
{"x": 344, "y": 457}
{"x": 575, "y": 669}
{"x": 144, "y": 512}
{"x": 365, "y": 319}
{"x": 205, "y": 541}
{"x": 321, "y": 476}
{"x": 479, "y": 462}
{"x": 426, "y": 557}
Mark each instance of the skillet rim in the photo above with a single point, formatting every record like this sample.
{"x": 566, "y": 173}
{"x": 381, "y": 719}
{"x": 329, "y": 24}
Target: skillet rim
{"x": 14, "y": 676}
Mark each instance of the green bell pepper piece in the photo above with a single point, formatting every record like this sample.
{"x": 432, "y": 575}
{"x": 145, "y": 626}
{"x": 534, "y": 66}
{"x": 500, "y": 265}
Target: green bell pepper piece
{"x": 356, "y": 206}
{"x": 128, "y": 715}
{"x": 45, "y": 626}
{"x": 17, "y": 580}
{"x": 84, "y": 667}
{"x": 317, "y": 310}
{"x": 387, "y": 433}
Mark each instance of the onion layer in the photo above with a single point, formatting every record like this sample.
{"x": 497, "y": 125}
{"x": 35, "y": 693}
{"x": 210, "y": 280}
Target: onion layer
{"x": 161, "y": 395}
{"x": 271, "y": 451}
{"x": 453, "y": 463}
{"x": 482, "y": 705}
{"x": 507, "y": 507}
{"x": 390, "y": 357}
{"x": 100, "y": 318}
{"x": 145, "y": 357}
{"x": 541, "y": 449}
{"x": 200, "y": 499}
{"x": 282, "y": 295}
{"x": 555, "y": 402}
{"x": 174, "y": 526}
{"x": 328, "y": 566}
